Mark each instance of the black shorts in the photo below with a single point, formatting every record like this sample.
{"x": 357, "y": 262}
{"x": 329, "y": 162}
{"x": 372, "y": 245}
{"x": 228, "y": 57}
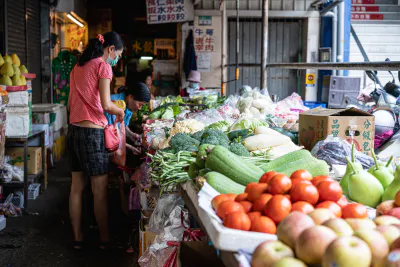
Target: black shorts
{"x": 87, "y": 151}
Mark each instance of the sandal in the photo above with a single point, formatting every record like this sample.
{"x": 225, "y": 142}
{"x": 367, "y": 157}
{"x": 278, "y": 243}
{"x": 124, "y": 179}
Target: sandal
{"x": 77, "y": 245}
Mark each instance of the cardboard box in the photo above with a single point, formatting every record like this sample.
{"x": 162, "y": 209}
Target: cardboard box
{"x": 146, "y": 237}
{"x": 316, "y": 124}
{"x": 34, "y": 158}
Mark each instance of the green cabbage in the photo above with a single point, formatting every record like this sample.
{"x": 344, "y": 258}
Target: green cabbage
{"x": 248, "y": 123}
{"x": 220, "y": 125}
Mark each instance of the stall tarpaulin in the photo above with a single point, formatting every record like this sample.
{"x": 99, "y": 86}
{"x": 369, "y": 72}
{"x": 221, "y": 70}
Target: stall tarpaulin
{"x": 169, "y": 11}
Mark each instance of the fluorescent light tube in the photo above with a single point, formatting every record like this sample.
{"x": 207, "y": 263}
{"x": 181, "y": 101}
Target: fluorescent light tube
{"x": 75, "y": 20}
{"x": 146, "y": 58}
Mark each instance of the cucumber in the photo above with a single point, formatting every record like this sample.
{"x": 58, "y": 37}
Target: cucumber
{"x": 223, "y": 184}
{"x": 227, "y": 163}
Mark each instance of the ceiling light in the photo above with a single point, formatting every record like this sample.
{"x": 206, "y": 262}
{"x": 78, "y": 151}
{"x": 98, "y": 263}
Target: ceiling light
{"x": 75, "y": 20}
{"x": 146, "y": 58}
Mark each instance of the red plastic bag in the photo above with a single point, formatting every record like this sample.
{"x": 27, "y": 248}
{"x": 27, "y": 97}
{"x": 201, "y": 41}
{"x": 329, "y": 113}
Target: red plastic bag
{"x": 119, "y": 156}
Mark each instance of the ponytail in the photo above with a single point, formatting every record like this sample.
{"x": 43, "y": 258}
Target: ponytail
{"x": 95, "y": 47}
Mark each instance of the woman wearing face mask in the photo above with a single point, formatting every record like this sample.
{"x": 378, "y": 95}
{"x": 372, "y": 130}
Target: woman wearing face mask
{"x": 89, "y": 98}
{"x": 194, "y": 79}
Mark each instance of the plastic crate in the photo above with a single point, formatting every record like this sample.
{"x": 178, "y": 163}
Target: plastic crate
{"x": 33, "y": 191}
{"x": 312, "y": 104}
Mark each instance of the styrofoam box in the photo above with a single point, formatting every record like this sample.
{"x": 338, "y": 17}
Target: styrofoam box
{"x": 17, "y": 123}
{"x": 2, "y": 222}
{"x": 224, "y": 238}
{"x": 18, "y": 99}
{"x": 60, "y": 111}
{"x": 48, "y": 133}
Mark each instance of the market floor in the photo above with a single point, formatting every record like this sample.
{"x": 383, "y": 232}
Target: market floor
{"x": 43, "y": 238}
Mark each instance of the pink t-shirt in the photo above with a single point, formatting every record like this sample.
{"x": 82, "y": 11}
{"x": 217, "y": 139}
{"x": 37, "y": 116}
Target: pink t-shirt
{"x": 84, "y": 101}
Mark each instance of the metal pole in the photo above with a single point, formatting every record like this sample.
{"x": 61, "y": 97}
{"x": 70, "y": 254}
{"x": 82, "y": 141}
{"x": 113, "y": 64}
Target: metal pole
{"x": 340, "y": 38}
{"x": 264, "y": 46}
{"x": 223, "y": 26}
{"x": 237, "y": 41}
{"x": 334, "y": 38}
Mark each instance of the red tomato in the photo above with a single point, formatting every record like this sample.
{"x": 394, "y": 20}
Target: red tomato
{"x": 260, "y": 202}
{"x": 302, "y": 206}
{"x": 318, "y": 179}
{"x": 227, "y": 207}
{"x": 331, "y": 191}
{"x": 263, "y": 224}
{"x": 332, "y": 206}
{"x": 278, "y": 208}
{"x": 241, "y": 197}
{"x": 343, "y": 202}
{"x": 267, "y": 177}
{"x": 247, "y": 205}
{"x": 301, "y": 174}
{"x": 299, "y": 181}
{"x": 279, "y": 184}
{"x": 354, "y": 210}
{"x": 237, "y": 220}
{"x": 304, "y": 192}
{"x": 255, "y": 191}
{"x": 253, "y": 215}
{"x": 218, "y": 200}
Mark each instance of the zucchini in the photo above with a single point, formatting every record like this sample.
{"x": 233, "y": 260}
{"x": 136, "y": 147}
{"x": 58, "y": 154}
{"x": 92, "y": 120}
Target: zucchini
{"x": 227, "y": 163}
{"x": 193, "y": 171}
{"x": 280, "y": 163}
{"x": 223, "y": 184}
{"x": 203, "y": 172}
{"x": 314, "y": 166}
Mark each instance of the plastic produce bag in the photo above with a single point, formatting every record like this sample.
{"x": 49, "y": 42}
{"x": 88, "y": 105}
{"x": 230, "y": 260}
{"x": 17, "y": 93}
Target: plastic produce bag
{"x": 207, "y": 117}
{"x": 161, "y": 215}
{"x": 334, "y": 151}
{"x": 119, "y": 156}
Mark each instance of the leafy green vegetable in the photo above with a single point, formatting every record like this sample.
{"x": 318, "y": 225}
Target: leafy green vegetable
{"x": 197, "y": 135}
{"x": 168, "y": 114}
{"x": 220, "y": 125}
{"x": 248, "y": 123}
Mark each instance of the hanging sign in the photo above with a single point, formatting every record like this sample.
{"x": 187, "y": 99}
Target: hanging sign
{"x": 169, "y": 11}
{"x": 205, "y": 20}
{"x": 204, "y": 40}
{"x": 143, "y": 47}
{"x": 310, "y": 80}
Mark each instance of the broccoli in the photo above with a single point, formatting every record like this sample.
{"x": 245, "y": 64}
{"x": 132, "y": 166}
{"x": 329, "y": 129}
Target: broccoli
{"x": 183, "y": 142}
{"x": 239, "y": 149}
{"x": 197, "y": 135}
{"x": 215, "y": 137}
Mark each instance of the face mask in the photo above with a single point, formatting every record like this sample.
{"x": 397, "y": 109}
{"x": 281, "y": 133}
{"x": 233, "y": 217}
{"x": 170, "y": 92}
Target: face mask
{"x": 194, "y": 85}
{"x": 111, "y": 61}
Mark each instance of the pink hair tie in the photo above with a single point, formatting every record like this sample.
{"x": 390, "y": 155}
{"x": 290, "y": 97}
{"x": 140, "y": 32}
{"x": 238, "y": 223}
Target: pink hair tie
{"x": 101, "y": 38}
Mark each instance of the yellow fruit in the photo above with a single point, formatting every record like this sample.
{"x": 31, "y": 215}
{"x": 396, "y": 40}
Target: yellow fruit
{"x": 15, "y": 60}
{"x": 15, "y": 80}
{"x": 7, "y": 69}
{"x": 7, "y": 58}
{"x": 23, "y": 69}
{"x": 1, "y": 60}
{"x": 5, "y": 80}
{"x": 23, "y": 80}
{"x": 16, "y": 70}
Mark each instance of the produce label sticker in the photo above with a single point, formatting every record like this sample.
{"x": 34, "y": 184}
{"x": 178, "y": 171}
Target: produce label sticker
{"x": 169, "y": 11}
{"x": 310, "y": 80}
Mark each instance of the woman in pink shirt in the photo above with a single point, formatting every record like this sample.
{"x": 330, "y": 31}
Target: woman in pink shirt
{"x": 89, "y": 99}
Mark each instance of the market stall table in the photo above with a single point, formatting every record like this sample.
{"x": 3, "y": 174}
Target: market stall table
{"x": 186, "y": 191}
{"x": 24, "y": 140}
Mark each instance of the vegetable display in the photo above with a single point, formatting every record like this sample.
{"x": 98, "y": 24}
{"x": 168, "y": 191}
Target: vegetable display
{"x": 168, "y": 169}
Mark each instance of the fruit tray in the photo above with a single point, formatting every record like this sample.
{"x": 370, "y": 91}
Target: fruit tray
{"x": 223, "y": 238}
{"x": 16, "y": 88}
{"x": 29, "y": 75}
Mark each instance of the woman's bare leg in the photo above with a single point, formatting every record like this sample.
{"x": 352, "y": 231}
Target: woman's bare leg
{"x": 99, "y": 189}
{"x": 75, "y": 204}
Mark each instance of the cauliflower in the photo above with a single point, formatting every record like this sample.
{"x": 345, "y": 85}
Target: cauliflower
{"x": 186, "y": 126}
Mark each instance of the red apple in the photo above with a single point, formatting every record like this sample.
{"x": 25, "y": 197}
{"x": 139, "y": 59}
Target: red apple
{"x": 385, "y": 207}
{"x": 394, "y": 212}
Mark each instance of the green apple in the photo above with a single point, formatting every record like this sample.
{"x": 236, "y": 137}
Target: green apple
{"x": 269, "y": 252}
{"x": 361, "y": 224}
{"x": 386, "y": 220}
{"x": 339, "y": 226}
{"x": 390, "y": 232}
{"x": 286, "y": 262}
{"x": 377, "y": 244}
{"x": 347, "y": 251}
